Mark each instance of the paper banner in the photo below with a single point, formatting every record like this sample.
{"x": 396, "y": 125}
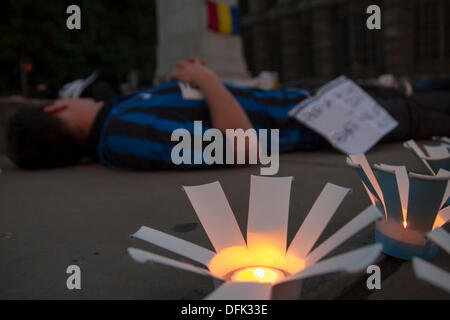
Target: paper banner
{"x": 350, "y": 262}
{"x": 441, "y": 238}
{"x": 268, "y": 212}
{"x": 427, "y": 272}
{"x": 437, "y": 152}
{"x": 360, "y": 159}
{"x": 174, "y": 244}
{"x": 317, "y": 219}
{"x": 393, "y": 191}
{"x": 242, "y": 291}
{"x": 142, "y": 256}
{"x": 215, "y": 214}
{"x": 351, "y": 228}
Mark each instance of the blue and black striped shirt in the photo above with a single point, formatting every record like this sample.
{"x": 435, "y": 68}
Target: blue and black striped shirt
{"x": 136, "y": 133}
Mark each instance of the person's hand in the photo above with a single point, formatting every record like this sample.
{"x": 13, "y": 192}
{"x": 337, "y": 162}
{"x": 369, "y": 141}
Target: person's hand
{"x": 192, "y": 70}
{"x": 63, "y": 104}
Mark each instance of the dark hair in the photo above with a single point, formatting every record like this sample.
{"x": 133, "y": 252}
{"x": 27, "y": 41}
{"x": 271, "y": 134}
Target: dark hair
{"x": 36, "y": 140}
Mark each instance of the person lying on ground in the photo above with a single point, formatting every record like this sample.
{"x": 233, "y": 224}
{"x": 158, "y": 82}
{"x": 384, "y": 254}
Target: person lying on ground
{"x": 135, "y": 132}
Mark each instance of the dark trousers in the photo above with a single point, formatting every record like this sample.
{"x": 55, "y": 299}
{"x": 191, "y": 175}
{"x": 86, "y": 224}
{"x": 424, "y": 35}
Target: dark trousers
{"x": 420, "y": 116}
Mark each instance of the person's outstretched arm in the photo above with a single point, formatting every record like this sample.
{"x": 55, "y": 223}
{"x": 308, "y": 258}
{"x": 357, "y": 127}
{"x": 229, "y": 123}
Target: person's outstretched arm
{"x": 225, "y": 110}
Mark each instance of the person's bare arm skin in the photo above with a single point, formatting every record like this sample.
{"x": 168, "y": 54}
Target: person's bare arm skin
{"x": 225, "y": 110}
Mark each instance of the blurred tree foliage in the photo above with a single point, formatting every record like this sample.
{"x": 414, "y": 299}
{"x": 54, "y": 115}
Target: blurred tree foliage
{"x": 115, "y": 36}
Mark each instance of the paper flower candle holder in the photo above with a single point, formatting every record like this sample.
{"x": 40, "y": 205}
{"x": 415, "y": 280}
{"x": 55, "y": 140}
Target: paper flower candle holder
{"x": 261, "y": 267}
{"x": 413, "y": 205}
{"x": 426, "y": 271}
{"x": 438, "y": 156}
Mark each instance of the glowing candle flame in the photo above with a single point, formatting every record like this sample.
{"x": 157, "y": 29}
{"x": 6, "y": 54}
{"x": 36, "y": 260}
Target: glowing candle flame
{"x": 404, "y": 224}
{"x": 257, "y": 274}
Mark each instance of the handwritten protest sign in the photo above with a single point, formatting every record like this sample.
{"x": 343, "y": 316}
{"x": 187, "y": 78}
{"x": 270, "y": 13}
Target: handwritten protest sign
{"x": 351, "y": 120}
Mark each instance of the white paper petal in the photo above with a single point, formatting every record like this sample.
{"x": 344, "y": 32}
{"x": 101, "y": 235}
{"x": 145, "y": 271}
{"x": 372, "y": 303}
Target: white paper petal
{"x": 441, "y": 238}
{"x": 402, "y": 179}
{"x": 355, "y": 225}
{"x": 372, "y": 198}
{"x": 427, "y": 272}
{"x": 438, "y": 152}
{"x": 174, "y": 244}
{"x": 242, "y": 291}
{"x": 352, "y": 261}
{"x": 411, "y": 144}
{"x": 442, "y": 218}
{"x": 361, "y": 160}
{"x": 268, "y": 212}
{"x": 142, "y": 256}
{"x": 317, "y": 219}
{"x": 215, "y": 214}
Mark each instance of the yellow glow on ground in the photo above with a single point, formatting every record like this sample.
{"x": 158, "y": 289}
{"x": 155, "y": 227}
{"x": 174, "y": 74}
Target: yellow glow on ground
{"x": 236, "y": 258}
{"x": 257, "y": 274}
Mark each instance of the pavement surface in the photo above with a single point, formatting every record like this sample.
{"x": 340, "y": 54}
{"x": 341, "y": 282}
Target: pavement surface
{"x": 83, "y": 215}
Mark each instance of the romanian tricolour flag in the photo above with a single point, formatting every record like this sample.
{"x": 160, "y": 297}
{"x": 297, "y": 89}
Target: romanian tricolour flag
{"x": 223, "y": 18}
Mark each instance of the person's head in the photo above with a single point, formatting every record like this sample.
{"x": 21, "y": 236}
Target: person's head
{"x": 38, "y": 138}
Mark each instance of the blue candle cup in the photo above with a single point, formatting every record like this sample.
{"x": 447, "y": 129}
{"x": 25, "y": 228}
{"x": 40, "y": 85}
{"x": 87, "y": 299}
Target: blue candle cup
{"x": 411, "y": 203}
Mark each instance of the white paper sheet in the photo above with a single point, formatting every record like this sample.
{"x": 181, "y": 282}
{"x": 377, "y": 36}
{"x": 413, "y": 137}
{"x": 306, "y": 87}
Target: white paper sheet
{"x": 142, "y": 256}
{"x": 437, "y": 152}
{"x": 346, "y": 116}
{"x": 190, "y": 93}
{"x": 427, "y": 272}
{"x": 351, "y": 228}
{"x": 317, "y": 219}
{"x": 441, "y": 238}
{"x": 215, "y": 214}
{"x": 361, "y": 160}
{"x": 242, "y": 291}
{"x": 268, "y": 212}
{"x": 174, "y": 244}
{"x": 350, "y": 262}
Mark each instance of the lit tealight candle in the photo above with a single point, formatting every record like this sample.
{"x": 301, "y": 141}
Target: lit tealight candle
{"x": 257, "y": 274}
